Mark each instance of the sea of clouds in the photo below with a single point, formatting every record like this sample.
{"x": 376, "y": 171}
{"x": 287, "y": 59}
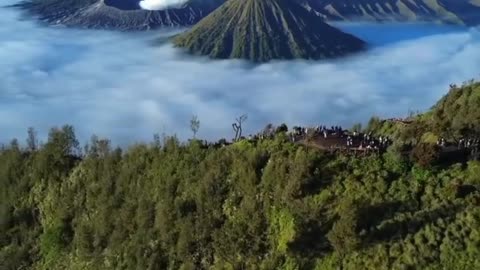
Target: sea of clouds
{"x": 120, "y": 86}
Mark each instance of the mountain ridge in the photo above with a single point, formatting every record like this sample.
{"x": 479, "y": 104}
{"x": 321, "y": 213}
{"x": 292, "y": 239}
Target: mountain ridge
{"x": 463, "y": 12}
{"x": 97, "y": 14}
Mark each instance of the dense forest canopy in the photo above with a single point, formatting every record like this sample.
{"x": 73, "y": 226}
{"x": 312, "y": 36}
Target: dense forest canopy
{"x": 263, "y": 204}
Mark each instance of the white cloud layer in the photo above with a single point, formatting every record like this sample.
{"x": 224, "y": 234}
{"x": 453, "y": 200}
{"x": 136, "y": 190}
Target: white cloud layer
{"x": 161, "y": 4}
{"x": 118, "y": 85}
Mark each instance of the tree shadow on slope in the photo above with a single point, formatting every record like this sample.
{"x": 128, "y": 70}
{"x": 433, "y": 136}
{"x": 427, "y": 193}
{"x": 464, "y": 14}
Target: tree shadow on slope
{"x": 364, "y": 226}
{"x": 322, "y": 235}
{"x": 312, "y": 240}
{"x": 322, "y": 176}
{"x": 400, "y": 227}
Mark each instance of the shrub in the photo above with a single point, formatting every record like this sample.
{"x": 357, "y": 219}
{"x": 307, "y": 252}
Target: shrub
{"x": 425, "y": 155}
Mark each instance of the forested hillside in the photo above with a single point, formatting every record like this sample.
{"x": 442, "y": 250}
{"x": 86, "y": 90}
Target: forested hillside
{"x": 255, "y": 204}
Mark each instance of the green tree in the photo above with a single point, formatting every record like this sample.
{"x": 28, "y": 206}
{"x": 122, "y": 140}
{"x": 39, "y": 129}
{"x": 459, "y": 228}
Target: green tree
{"x": 344, "y": 235}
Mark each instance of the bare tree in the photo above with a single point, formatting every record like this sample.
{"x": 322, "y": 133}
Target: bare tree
{"x": 194, "y": 125}
{"x": 32, "y": 141}
{"x": 237, "y": 126}
{"x": 156, "y": 141}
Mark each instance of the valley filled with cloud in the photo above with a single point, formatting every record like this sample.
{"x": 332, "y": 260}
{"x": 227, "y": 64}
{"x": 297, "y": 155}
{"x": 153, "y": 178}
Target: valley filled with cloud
{"x": 127, "y": 87}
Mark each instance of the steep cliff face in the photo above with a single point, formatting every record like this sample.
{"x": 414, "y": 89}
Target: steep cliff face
{"x": 262, "y": 30}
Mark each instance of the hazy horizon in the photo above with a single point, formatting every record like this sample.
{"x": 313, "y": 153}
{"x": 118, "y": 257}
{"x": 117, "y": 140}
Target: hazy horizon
{"x": 118, "y": 85}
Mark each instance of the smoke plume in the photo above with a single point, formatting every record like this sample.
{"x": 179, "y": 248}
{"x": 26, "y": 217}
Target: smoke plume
{"x": 161, "y": 4}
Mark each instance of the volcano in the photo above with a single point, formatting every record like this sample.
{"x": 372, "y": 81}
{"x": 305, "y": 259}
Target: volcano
{"x": 263, "y": 30}
{"x": 117, "y": 14}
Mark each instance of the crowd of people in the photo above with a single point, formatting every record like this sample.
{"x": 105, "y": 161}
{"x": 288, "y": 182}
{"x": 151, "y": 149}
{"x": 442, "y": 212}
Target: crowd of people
{"x": 462, "y": 143}
{"x": 399, "y": 120}
{"x": 299, "y": 133}
{"x": 368, "y": 141}
{"x": 471, "y": 145}
{"x": 338, "y": 137}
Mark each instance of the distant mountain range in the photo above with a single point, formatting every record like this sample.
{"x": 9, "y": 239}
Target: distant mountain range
{"x": 263, "y": 30}
{"x": 126, "y": 15}
{"x": 466, "y": 12}
{"x": 116, "y": 14}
